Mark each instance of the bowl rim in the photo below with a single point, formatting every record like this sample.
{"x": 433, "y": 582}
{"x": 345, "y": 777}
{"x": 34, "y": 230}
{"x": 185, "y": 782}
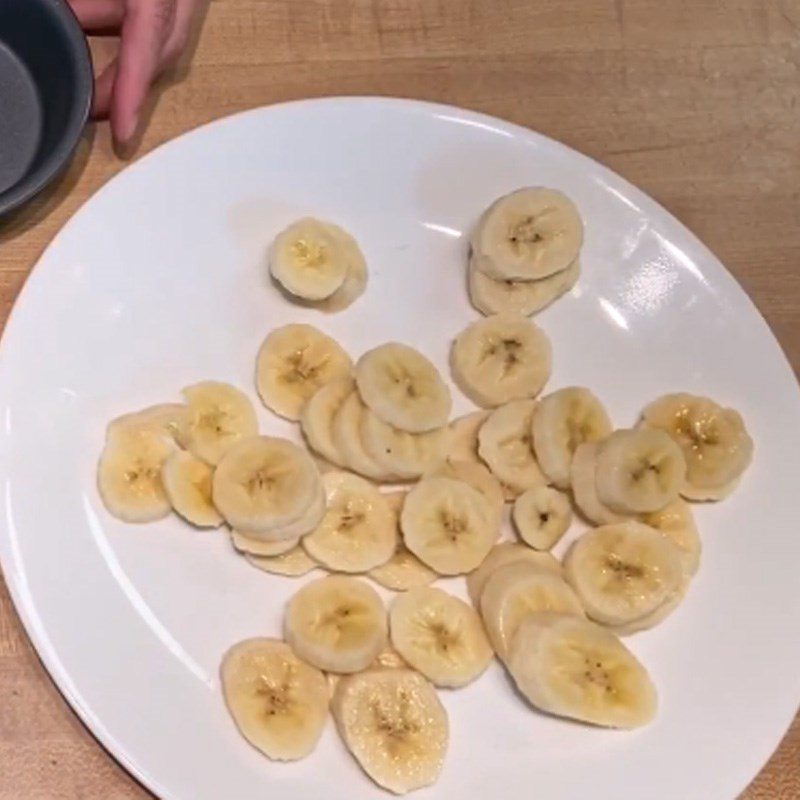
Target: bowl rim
{"x": 56, "y": 161}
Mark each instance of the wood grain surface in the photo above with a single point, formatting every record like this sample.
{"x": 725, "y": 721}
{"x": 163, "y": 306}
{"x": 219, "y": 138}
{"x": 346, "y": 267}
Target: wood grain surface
{"x": 695, "y": 101}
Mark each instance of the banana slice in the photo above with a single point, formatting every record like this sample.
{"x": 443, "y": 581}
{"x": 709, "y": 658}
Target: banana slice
{"x": 316, "y": 418}
{"x": 448, "y": 525}
{"x": 406, "y": 455}
{"x": 623, "y": 572}
{"x": 359, "y": 529}
{"x": 219, "y": 416}
{"x": 504, "y": 443}
{"x": 170, "y": 419}
{"x": 247, "y": 545}
{"x": 263, "y": 484}
{"x": 638, "y": 470}
{"x": 463, "y": 439}
{"x": 515, "y": 591}
{"x": 129, "y": 473}
{"x": 346, "y": 436}
{"x": 293, "y": 563}
{"x": 508, "y": 553}
{"x": 395, "y": 501}
{"x": 562, "y": 421}
{"x": 570, "y": 667}
{"x": 283, "y": 537}
{"x": 477, "y": 476}
{"x": 337, "y": 623}
{"x": 403, "y": 571}
{"x": 492, "y": 296}
{"x": 528, "y": 234}
{"x": 187, "y": 483}
{"x": 293, "y": 362}
{"x": 584, "y": 487}
{"x": 308, "y": 260}
{"x": 355, "y": 281}
{"x": 394, "y": 725}
{"x": 440, "y": 636}
{"x": 501, "y": 358}
{"x": 403, "y": 388}
{"x": 279, "y": 704}
{"x": 541, "y": 516}
{"x": 389, "y": 658}
{"x": 676, "y": 522}
{"x": 714, "y": 440}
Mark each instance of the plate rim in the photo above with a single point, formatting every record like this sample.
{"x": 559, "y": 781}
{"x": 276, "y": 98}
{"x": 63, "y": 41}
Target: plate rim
{"x": 25, "y": 607}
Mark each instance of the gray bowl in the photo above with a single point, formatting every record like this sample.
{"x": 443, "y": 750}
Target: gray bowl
{"x": 45, "y": 95}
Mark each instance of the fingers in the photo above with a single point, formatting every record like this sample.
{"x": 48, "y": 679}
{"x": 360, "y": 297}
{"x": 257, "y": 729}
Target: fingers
{"x": 98, "y": 15}
{"x": 145, "y": 31}
{"x": 103, "y": 90}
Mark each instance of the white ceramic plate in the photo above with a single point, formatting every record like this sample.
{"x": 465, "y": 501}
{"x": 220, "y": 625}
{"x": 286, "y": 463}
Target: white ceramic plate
{"x": 159, "y": 281}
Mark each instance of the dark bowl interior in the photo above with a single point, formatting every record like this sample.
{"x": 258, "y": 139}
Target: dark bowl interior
{"x": 45, "y": 94}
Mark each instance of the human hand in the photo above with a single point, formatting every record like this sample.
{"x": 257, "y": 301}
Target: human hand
{"x": 153, "y": 34}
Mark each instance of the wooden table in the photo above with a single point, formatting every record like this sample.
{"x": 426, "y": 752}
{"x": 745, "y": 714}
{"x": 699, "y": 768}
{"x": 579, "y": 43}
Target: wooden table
{"x": 695, "y": 101}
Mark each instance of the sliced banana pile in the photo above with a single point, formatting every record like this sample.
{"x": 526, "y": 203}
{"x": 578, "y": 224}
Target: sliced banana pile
{"x": 554, "y": 624}
{"x": 388, "y": 423}
{"x": 525, "y": 251}
{"x": 318, "y": 263}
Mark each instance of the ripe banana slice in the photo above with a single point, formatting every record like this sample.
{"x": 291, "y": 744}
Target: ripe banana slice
{"x": 258, "y": 547}
{"x": 463, "y": 439}
{"x": 403, "y": 388}
{"x": 308, "y": 260}
{"x": 501, "y": 358}
{"x": 219, "y": 416}
{"x": 638, "y": 470}
{"x": 292, "y": 564}
{"x": 406, "y": 455}
{"x": 562, "y": 421}
{"x": 492, "y": 296}
{"x": 403, "y": 571}
{"x": 541, "y": 515}
{"x": 359, "y": 529}
{"x": 508, "y": 553}
{"x": 440, "y": 636}
{"x": 279, "y": 704}
{"x": 568, "y": 666}
{"x": 528, "y": 234}
{"x": 676, "y": 522}
{"x": 623, "y": 572}
{"x": 187, "y": 482}
{"x": 355, "y": 281}
{"x": 169, "y": 419}
{"x": 477, "y": 476}
{"x": 336, "y": 623}
{"x": 293, "y": 362}
{"x": 129, "y": 473}
{"x": 714, "y": 440}
{"x": 346, "y": 436}
{"x": 389, "y": 658}
{"x": 394, "y": 725}
{"x": 514, "y": 592}
{"x": 448, "y": 525}
{"x": 283, "y": 537}
{"x": 505, "y": 444}
{"x": 263, "y": 484}
{"x": 584, "y": 487}
{"x": 316, "y": 418}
